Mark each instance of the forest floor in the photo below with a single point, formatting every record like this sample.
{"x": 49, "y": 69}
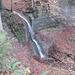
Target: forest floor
{"x": 58, "y": 44}
{"x": 64, "y": 64}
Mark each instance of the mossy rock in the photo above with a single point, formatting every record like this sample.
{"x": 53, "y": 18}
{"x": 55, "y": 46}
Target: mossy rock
{"x": 15, "y": 24}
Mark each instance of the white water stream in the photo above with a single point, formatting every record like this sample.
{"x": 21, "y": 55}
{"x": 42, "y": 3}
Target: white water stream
{"x": 32, "y": 35}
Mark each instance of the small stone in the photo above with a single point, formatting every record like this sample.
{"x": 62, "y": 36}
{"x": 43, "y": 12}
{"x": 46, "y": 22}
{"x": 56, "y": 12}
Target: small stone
{"x": 71, "y": 67}
{"x": 69, "y": 60}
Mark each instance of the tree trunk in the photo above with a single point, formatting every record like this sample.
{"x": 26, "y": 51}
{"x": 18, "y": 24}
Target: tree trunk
{"x": 32, "y": 3}
{"x": 12, "y": 5}
{"x": 0, "y": 4}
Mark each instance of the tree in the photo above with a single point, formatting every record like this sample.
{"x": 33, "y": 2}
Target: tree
{"x": 12, "y": 5}
{"x": 32, "y": 3}
{"x": 1, "y": 4}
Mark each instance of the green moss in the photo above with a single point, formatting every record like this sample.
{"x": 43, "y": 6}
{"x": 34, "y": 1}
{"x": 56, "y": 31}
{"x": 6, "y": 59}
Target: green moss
{"x": 35, "y": 13}
{"x": 16, "y": 26}
{"x": 36, "y": 16}
{"x": 29, "y": 9}
{"x": 74, "y": 40}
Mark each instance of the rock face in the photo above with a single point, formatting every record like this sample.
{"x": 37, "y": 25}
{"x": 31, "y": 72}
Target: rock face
{"x": 56, "y": 46}
{"x": 58, "y": 43}
{"x": 68, "y": 12}
{"x": 46, "y": 13}
{"x": 53, "y": 14}
{"x": 62, "y": 38}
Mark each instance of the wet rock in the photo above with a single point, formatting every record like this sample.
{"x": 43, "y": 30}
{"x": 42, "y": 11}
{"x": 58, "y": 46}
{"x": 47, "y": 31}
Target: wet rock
{"x": 73, "y": 67}
{"x": 60, "y": 38}
{"x": 64, "y": 15}
{"x": 69, "y": 60}
{"x": 56, "y": 53}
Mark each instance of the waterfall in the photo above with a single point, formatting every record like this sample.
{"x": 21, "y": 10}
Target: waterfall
{"x": 32, "y": 35}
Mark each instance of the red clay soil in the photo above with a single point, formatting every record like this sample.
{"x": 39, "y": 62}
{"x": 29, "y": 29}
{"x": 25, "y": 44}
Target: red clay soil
{"x": 18, "y": 5}
{"x": 63, "y": 39}
{"x": 60, "y": 37}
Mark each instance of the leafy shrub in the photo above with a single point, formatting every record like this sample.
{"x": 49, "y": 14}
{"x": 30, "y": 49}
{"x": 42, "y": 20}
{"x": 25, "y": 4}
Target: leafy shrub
{"x": 8, "y": 69}
{"x": 45, "y": 73}
{"x": 11, "y": 69}
{"x": 4, "y": 45}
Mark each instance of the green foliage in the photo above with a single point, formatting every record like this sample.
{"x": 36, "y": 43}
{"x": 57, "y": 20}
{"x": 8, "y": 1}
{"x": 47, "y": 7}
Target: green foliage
{"x": 3, "y": 68}
{"x": 12, "y": 62}
{"x": 27, "y": 70}
{"x": 35, "y": 16}
{"x": 74, "y": 40}
{"x": 70, "y": 39}
{"x": 4, "y": 45}
{"x": 30, "y": 20}
{"x": 12, "y": 68}
{"x": 13, "y": 65}
{"x": 37, "y": 2}
{"x": 68, "y": 43}
{"x": 45, "y": 73}
{"x": 19, "y": 71}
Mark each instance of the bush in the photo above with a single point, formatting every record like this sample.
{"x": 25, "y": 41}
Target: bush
{"x": 4, "y": 45}
{"x": 11, "y": 68}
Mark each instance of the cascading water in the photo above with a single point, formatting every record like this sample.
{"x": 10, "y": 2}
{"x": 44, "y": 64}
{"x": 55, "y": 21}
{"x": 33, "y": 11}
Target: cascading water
{"x": 32, "y": 35}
